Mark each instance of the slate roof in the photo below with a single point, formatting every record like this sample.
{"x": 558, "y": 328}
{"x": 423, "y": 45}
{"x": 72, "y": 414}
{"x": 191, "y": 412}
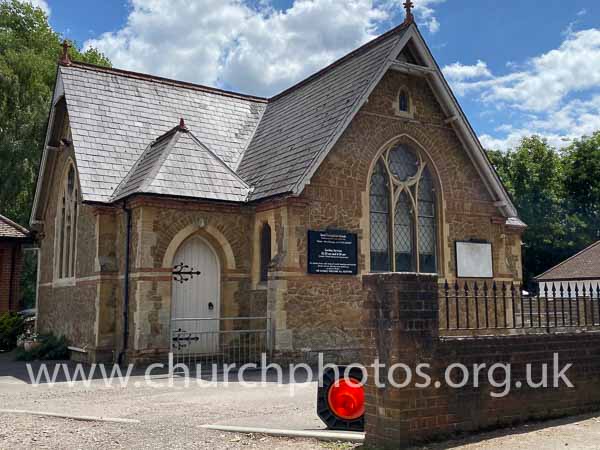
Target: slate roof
{"x": 274, "y": 145}
{"x": 178, "y": 164}
{"x": 12, "y": 230}
{"x": 583, "y": 265}
{"x": 300, "y": 122}
{"x": 114, "y": 116}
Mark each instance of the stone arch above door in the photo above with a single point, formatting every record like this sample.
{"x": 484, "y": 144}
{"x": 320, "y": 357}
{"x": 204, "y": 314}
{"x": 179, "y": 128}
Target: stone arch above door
{"x": 212, "y": 235}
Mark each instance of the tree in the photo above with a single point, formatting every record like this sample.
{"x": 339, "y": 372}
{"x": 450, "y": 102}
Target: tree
{"x": 534, "y": 176}
{"x": 582, "y": 187}
{"x": 29, "y": 51}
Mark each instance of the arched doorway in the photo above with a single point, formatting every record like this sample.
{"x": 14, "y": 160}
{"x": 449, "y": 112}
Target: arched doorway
{"x": 195, "y": 304}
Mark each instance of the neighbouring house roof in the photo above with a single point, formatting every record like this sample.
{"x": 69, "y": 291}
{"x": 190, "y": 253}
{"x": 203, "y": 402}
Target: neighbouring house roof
{"x": 12, "y": 230}
{"x": 581, "y": 266}
{"x": 178, "y": 164}
{"x": 274, "y": 145}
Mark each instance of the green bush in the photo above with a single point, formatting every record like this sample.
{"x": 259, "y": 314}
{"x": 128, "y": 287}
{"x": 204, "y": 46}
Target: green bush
{"x": 50, "y": 348}
{"x": 11, "y": 326}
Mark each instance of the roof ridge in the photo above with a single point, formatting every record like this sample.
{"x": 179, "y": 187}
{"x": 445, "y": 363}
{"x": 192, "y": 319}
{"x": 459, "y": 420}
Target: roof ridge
{"x": 560, "y": 264}
{"x": 366, "y": 46}
{"x": 15, "y": 225}
{"x": 164, "y": 80}
{"x": 172, "y": 133}
{"x": 215, "y": 156}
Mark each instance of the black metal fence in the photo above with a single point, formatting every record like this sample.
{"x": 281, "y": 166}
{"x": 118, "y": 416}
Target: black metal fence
{"x": 484, "y": 306}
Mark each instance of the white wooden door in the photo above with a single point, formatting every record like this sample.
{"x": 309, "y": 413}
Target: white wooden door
{"x": 195, "y": 308}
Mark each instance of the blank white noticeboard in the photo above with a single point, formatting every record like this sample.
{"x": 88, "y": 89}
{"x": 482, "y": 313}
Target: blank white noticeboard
{"x": 474, "y": 259}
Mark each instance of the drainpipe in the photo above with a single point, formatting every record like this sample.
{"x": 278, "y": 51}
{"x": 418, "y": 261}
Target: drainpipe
{"x": 126, "y": 285}
{"x": 11, "y": 282}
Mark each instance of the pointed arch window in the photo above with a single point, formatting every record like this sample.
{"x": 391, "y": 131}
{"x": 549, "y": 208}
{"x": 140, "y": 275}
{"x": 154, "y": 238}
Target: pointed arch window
{"x": 66, "y": 226}
{"x": 265, "y": 252}
{"x": 403, "y": 213}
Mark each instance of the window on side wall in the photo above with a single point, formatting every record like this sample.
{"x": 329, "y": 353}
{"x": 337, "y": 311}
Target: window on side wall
{"x": 265, "y": 252}
{"x": 66, "y": 226}
{"x": 403, "y": 222}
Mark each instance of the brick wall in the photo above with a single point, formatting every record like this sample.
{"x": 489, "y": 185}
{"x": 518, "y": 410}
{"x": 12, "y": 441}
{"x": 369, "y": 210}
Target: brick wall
{"x": 11, "y": 263}
{"x": 401, "y": 312}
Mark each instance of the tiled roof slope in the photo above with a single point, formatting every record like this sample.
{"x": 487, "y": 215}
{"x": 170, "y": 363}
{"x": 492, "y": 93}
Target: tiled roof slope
{"x": 299, "y": 123}
{"x": 583, "y": 265}
{"x": 115, "y": 114}
{"x": 178, "y": 164}
{"x": 12, "y": 230}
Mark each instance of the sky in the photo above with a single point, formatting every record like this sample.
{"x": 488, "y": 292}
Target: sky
{"x": 518, "y": 67}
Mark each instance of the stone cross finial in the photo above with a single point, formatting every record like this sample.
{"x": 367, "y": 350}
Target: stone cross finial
{"x": 408, "y": 6}
{"x": 65, "y": 60}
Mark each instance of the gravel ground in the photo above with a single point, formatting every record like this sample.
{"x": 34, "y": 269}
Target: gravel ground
{"x": 172, "y": 417}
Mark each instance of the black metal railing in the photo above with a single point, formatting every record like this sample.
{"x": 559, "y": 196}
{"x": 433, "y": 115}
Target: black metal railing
{"x": 505, "y": 306}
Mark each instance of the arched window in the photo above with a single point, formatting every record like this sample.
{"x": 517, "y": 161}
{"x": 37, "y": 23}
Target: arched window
{"x": 403, "y": 101}
{"x": 401, "y": 183}
{"x": 66, "y": 226}
{"x": 265, "y": 251}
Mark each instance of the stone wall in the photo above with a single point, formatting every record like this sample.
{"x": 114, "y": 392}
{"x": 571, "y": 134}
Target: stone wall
{"x": 323, "y": 312}
{"x": 159, "y": 228}
{"x": 310, "y": 313}
{"x": 402, "y": 313}
{"x": 68, "y": 307}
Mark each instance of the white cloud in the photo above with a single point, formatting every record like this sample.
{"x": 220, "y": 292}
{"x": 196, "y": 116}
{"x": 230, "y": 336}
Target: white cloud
{"x": 560, "y": 127}
{"x": 549, "y": 78}
{"x": 543, "y": 95}
{"x": 462, "y": 76}
{"x": 42, "y": 4}
{"x": 258, "y": 49}
{"x": 425, "y": 12}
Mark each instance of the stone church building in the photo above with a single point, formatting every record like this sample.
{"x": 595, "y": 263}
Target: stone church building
{"x": 161, "y": 200}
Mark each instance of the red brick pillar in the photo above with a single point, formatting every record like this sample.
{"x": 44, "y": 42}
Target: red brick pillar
{"x": 402, "y": 312}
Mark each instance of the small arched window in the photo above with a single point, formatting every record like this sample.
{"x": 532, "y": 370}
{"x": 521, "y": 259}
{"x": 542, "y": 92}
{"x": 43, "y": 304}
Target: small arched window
{"x": 402, "y": 213}
{"x": 265, "y": 252}
{"x": 66, "y": 226}
{"x": 403, "y": 101}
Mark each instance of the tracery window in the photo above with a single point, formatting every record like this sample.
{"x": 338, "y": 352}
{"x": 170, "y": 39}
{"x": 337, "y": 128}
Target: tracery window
{"x": 66, "y": 227}
{"x": 402, "y": 213}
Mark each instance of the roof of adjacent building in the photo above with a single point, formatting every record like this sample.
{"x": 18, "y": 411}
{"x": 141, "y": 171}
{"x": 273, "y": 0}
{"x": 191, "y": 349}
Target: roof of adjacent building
{"x": 268, "y": 146}
{"x": 12, "y": 230}
{"x": 178, "y": 164}
{"x": 583, "y": 265}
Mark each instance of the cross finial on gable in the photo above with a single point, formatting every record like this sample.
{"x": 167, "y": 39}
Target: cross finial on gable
{"x": 65, "y": 60}
{"x": 408, "y": 6}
